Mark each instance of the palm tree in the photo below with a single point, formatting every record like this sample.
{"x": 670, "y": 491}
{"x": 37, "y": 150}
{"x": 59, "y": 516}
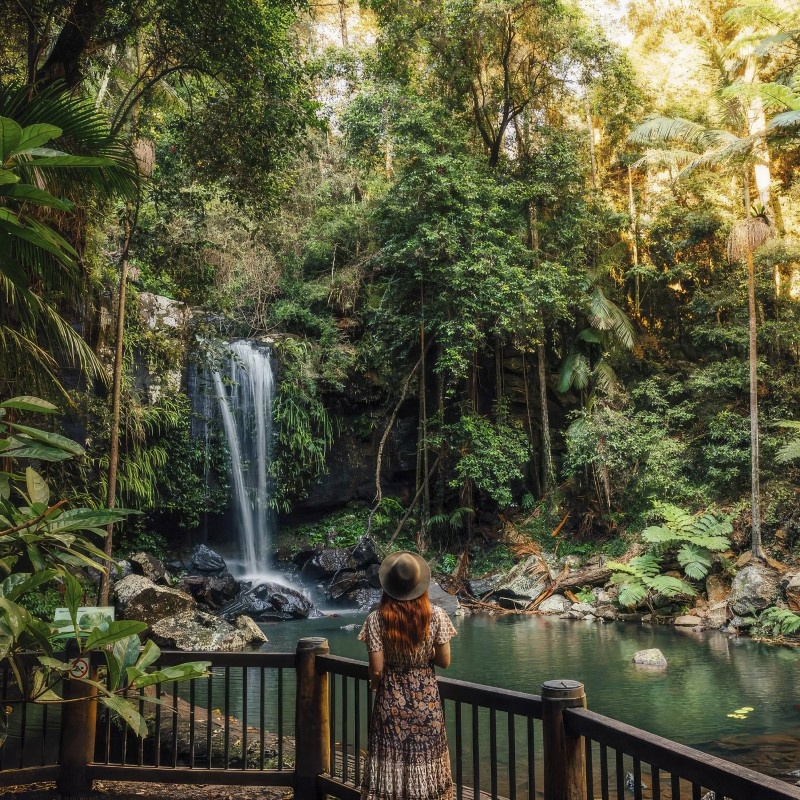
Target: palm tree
{"x": 739, "y": 148}
{"x": 40, "y": 188}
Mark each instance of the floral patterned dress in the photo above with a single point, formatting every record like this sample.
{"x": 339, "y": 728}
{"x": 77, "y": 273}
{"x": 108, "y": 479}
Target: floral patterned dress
{"x": 407, "y": 757}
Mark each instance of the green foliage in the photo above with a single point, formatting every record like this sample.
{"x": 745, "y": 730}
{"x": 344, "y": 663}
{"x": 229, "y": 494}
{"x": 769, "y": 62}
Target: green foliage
{"x": 791, "y": 450}
{"x": 346, "y": 528}
{"x": 774, "y": 623}
{"x": 38, "y": 262}
{"x": 304, "y": 428}
{"x": 695, "y": 536}
{"x": 640, "y": 581}
{"x": 41, "y": 546}
{"x": 493, "y": 559}
{"x": 492, "y": 454}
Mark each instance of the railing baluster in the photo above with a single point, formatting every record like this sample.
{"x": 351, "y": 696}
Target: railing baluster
{"x": 655, "y": 778}
{"x": 244, "y": 717}
{"x": 280, "y": 718}
{"x": 140, "y": 753}
{"x": 158, "y": 727}
{"x": 174, "y": 724}
{"x": 588, "y": 750}
{"x": 345, "y": 765}
{"x": 192, "y": 703}
{"x": 603, "y": 772}
{"x": 262, "y": 714}
{"x": 23, "y": 732}
{"x": 357, "y": 731}
{"x": 476, "y": 754}
{"x": 107, "y": 741}
{"x": 620, "y": 766}
{"x": 42, "y": 750}
{"x": 637, "y": 779}
{"x": 676, "y": 786}
{"x": 697, "y": 791}
{"x": 512, "y": 757}
{"x": 493, "y": 751}
{"x": 531, "y": 761}
{"x": 227, "y": 742}
{"x": 6, "y": 670}
{"x": 332, "y": 717}
{"x": 210, "y": 713}
{"x": 459, "y": 755}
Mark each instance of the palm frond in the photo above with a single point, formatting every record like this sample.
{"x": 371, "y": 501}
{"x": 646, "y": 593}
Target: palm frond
{"x": 606, "y": 315}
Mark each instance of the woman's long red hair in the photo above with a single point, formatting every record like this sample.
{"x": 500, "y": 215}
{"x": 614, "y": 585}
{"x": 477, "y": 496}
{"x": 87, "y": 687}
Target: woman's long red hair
{"x": 406, "y": 622}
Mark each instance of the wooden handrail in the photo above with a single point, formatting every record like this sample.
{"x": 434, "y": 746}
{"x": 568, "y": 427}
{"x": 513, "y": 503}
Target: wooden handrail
{"x": 690, "y": 764}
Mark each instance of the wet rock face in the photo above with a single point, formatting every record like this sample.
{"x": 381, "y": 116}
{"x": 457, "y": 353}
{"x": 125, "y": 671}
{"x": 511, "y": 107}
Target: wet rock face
{"x": 211, "y": 590}
{"x": 754, "y": 588}
{"x": 791, "y": 586}
{"x": 140, "y": 599}
{"x": 269, "y": 602}
{"x": 326, "y": 562}
{"x": 149, "y": 566}
{"x": 198, "y": 631}
{"x": 206, "y": 561}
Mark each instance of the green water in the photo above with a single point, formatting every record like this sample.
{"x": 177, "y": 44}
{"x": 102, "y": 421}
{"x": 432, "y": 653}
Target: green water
{"x": 709, "y": 676}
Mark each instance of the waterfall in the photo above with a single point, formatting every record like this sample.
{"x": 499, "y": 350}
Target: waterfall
{"x": 246, "y": 409}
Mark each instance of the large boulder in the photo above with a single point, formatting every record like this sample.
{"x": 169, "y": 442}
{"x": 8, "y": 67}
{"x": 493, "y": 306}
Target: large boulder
{"x": 198, "y": 631}
{"x": 650, "y": 658}
{"x": 522, "y": 585}
{"x": 206, "y": 562}
{"x": 555, "y": 604}
{"x": 480, "y": 587}
{"x": 439, "y": 597}
{"x": 327, "y": 562}
{"x": 754, "y": 588}
{"x": 269, "y": 602}
{"x": 140, "y": 599}
{"x": 149, "y": 566}
{"x": 346, "y": 583}
{"x": 211, "y": 590}
{"x": 791, "y": 586}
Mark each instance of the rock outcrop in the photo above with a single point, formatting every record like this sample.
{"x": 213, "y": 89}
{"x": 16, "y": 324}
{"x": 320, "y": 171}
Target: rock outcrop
{"x": 754, "y": 588}
{"x": 650, "y": 658}
{"x": 141, "y": 599}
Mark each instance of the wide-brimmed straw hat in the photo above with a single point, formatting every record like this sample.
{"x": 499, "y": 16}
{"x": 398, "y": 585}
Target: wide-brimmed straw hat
{"x": 405, "y": 575}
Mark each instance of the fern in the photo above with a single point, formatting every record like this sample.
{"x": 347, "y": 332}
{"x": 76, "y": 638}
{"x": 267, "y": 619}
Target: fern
{"x": 669, "y": 586}
{"x": 776, "y": 622}
{"x": 695, "y": 535}
{"x": 694, "y": 561}
{"x": 640, "y": 580}
{"x": 791, "y": 450}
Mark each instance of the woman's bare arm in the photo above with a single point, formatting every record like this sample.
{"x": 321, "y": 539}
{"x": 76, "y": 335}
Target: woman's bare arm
{"x": 441, "y": 655}
{"x": 375, "y": 669}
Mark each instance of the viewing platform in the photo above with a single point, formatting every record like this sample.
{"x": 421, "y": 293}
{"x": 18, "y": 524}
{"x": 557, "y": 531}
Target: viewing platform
{"x": 299, "y": 720}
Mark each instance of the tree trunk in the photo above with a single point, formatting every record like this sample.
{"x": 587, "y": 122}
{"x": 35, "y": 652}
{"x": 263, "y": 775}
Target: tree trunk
{"x": 755, "y": 487}
{"x": 116, "y": 395}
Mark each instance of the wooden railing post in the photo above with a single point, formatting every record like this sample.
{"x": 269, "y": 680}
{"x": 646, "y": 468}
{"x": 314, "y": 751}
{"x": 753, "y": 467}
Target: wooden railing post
{"x": 564, "y": 758}
{"x": 78, "y": 729}
{"x": 312, "y": 724}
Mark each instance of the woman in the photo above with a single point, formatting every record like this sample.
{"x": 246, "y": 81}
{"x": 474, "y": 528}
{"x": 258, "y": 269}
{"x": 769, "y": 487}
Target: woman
{"x": 407, "y": 757}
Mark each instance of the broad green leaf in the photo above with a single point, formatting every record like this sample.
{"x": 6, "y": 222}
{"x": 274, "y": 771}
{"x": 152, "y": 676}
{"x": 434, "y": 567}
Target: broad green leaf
{"x": 128, "y": 712}
{"x": 10, "y": 137}
{"x": 149, "y": 655}
{"x": 54, "y": 663}
{"x": 26, "y": 193}
{"x": 21, "y": 448}
{"x": 120, "y": 657}
{"x": 52, "y": 439}
{"x": 76, "y": 519}
{"x": 180, "y": 672}
{"x": 119, "y": 629}
{"x": 35, "y": 136}
{"x": 6, "y": 177}
{"x": 70, "y": 161}
{"x": 29, "y": 403}
{"x": 38, "y": 490}
{"x": 18, "y": 583}
{"x": 73, "y": 597}
{"x": 16, "y": 616}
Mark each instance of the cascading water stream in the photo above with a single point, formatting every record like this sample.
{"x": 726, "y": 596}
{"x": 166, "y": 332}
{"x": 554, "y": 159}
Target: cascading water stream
{"x": 246, "y": 409}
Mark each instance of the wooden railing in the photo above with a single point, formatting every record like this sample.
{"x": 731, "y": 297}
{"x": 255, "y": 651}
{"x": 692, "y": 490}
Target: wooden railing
{"x": 301, "y": 720}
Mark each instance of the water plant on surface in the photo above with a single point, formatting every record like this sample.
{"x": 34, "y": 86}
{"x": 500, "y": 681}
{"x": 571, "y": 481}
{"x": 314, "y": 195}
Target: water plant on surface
{"x": 43, "y": 544}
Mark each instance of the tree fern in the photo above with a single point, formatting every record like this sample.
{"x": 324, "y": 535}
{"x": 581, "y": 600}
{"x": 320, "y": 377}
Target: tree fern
{"x": 776, "y": 622}
{"x": 696, "y": 537}
{"x": 640, "y": 580}
{"x": 791, "y": 450}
